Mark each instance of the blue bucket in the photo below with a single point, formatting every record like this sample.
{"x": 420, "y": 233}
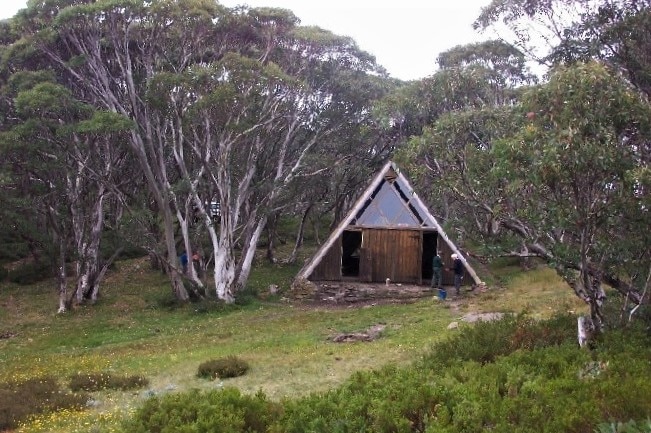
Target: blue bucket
{"x": 443, "y": 294}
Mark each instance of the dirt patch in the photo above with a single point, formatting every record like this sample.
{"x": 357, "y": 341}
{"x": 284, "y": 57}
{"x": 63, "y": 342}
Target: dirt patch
{"x": 372, "y": 333}
{"x": 7, "y": 335}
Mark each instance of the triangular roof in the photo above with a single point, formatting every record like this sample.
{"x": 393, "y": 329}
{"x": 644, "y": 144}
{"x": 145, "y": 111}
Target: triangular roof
{"x": 388, "y": 202}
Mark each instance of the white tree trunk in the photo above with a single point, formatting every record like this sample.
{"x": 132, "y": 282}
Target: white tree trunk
{"x": 224, "y": 272}
{"x": 585, "y": 330}
{"x": 249, "y": 253}
{"x": 189, "y": 249}
{"x": 62, "y": 277}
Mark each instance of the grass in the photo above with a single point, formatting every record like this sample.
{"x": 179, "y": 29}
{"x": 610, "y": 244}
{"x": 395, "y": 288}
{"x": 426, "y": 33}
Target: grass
{"x": 133, "y": 331}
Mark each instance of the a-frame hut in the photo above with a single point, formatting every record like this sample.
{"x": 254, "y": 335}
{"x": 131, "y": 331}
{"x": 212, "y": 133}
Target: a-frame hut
{"x": 389, "y": 233}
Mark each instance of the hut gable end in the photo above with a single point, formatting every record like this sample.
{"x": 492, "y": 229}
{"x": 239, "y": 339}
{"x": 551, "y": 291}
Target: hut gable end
{"x": 388, "y": 233}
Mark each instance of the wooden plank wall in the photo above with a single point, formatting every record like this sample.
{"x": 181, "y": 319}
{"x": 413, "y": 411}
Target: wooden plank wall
{"x": 330, "y": 267}
{"x": 395, "y": 254}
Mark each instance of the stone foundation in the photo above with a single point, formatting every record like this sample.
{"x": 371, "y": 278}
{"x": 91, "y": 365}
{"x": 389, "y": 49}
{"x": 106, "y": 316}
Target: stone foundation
{"x": 353, "y": 292}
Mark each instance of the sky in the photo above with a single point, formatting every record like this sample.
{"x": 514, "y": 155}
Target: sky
{"x": 405, "y": 36}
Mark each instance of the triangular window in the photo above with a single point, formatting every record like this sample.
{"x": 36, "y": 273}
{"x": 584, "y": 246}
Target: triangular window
{"x": 388, "y": 208}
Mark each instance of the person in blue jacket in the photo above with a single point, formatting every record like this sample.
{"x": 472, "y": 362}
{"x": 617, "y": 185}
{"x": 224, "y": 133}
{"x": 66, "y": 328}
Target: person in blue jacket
{"x": 184, "y": 262}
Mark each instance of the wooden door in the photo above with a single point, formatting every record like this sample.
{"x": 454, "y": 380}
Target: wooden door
{"x": 394, "y": 254}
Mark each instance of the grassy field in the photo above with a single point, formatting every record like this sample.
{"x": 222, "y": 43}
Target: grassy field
{"x": 136, "y": 330}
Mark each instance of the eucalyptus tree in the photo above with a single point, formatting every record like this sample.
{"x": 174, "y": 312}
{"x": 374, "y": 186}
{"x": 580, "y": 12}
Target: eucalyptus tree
{"x": 535, "y": 27}
{"x": 609, "y": 123}
{"x": 255, "y": 122}
{"x": 618, "y": 33}
{"x": 226, "y": 105}
{"x": 581, "y": 161}
{"x": 565, "y": 31}
{"x": 104, "y": 52}
{"x": 60, "y": 153}
{"x": 471, "y": 102}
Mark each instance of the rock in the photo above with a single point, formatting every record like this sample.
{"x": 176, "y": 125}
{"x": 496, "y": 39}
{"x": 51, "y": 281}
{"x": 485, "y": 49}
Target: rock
{"x": 273, "y": 289}
{"x": 93, "y": 403}
{"x": 303, "y": 289}
{"x": 453, "y": 325}
{"x": 482, "y": 317}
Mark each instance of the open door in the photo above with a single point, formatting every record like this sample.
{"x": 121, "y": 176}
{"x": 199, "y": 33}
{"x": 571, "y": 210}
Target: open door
{"x": 351, "y": 246}
{"x": 430, "y": 244}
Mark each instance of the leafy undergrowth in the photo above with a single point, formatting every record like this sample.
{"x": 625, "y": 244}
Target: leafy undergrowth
{"x": 100, "y": 381}
{"x": 22, "y": 400}
{"x": 223, "y": 368}
{"x": 512, "y": 375}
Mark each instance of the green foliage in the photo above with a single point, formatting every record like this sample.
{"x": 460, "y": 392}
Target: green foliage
{"x": 99, "y": 381}
{"x": 530, "y": 383}
{"x": 226, "y": 411}
{"x": 20, "y": 400}
{"x": 625, "y": 427}
{"x": 230, "y": 366}
{"x": 246, "y": 295}
{"x": 511, "y": 375}
{"x": 30, "y": 273}
{"x": 486, "y": 341}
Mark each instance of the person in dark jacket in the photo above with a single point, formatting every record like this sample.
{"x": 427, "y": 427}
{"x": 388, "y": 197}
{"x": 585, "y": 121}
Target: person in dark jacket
{"x": 457, "y": 267}
{"x": 437, "y": 272}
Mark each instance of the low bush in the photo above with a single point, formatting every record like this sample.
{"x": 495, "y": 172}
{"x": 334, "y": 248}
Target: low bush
{"x": 224, "y": 411}
{"x": 486, "y": 341}
{"x": 30, "y": 273}
{"x": 98, "y": 381}
{"x": 512, "y": 375}
{"x": 20, "y": 400}
{"x": 223, "y": 368}
{"x": 246, "y": 296}
{"x": 625, "y": 427}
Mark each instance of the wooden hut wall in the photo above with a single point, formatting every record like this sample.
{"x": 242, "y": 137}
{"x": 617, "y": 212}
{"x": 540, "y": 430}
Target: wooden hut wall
{"x": 329, "y": 269}
{"x": 394, "y": 254}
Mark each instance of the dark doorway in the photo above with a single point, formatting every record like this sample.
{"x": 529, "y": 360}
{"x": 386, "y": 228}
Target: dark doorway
{"x": 430, "y": 243}
{"x": 351, "y": 244}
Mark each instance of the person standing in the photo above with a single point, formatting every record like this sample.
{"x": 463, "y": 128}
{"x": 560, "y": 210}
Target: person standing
{"x": 196, "y": 263}
{"x": 457, "y": 267}
{"x": 184, "y": 262}
{"x": 437, "y": 272}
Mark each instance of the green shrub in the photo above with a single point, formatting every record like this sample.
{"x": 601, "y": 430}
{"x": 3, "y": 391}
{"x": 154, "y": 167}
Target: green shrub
{"x": 212, "y": 305}
{"x": 20, "y": 400}
{"x": 625, "y": 427}
{"x": 98, "y": 381}
{"x": 246, "y": 296}
{"x": 513, "y": 375}
{"x": 485, "y": 341}
{"x": 223, "y": 368}
{"x": 30, "y": 273}
{"x": 533, "y": 334}
{"x": 224, "y": 411}
{"x": 387, "y": 400}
